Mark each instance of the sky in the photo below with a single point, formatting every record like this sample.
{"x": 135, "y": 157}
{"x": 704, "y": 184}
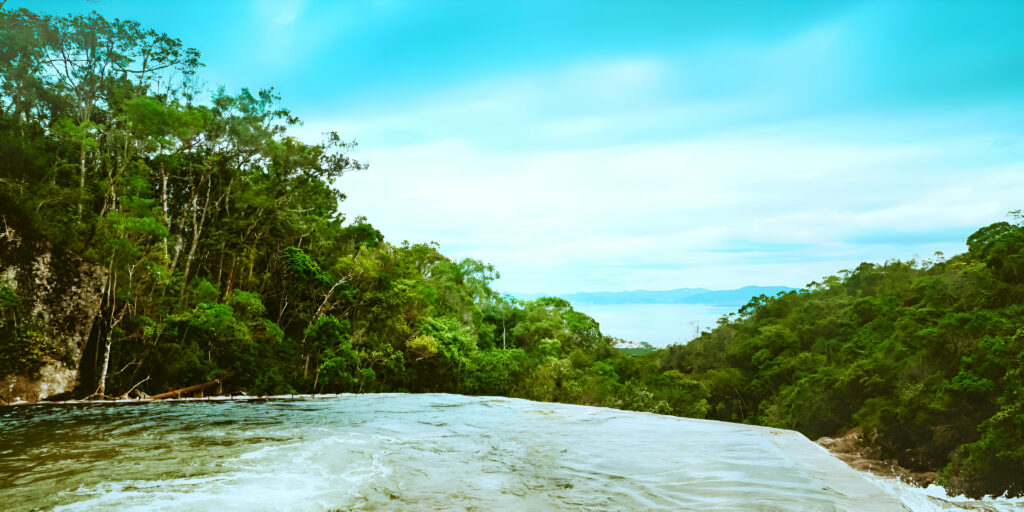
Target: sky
{"x": 605, "y": 146}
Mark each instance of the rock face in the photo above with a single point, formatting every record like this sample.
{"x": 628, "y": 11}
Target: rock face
{"x": 852, "y": 448}
{"x": 59, "y": 295}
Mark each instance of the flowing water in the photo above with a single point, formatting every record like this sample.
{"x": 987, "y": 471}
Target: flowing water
{"x": 419, "y": 452}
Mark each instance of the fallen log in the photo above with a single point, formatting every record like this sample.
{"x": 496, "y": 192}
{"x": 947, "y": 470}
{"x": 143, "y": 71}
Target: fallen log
{"x": 191, "y": 389}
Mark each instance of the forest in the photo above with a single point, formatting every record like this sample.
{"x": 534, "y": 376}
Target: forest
{"x": 225, "y": 252}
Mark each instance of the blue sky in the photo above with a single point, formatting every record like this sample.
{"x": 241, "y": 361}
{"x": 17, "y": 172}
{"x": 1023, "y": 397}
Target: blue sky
{"x": 583, "y": 146}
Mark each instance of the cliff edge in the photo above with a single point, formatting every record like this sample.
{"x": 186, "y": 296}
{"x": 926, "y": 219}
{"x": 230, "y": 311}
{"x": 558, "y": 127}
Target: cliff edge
{"x": 49, "y": 299}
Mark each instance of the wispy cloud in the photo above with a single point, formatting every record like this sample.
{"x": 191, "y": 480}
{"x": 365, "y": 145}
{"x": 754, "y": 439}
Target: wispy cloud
{"x": 279, "y": 13}
{"x": 789, "y": 207}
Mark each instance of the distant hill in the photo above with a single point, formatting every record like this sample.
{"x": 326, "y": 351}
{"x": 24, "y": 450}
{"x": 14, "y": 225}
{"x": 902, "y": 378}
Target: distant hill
{"x": 635, "y": 348}
{"x": 635, "y": 296}
{"x": 737, "y": 297}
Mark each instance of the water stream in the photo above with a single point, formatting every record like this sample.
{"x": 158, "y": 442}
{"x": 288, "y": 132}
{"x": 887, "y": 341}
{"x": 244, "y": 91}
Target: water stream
{"x": 421, "y": 452}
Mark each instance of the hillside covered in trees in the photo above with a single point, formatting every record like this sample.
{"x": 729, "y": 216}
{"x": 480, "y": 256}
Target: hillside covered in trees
{"x": 224, "y": 250}
{"x": 926, "y": 357}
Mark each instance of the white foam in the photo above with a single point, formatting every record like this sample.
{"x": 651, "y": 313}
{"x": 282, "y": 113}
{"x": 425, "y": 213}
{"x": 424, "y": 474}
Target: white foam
{"x": 935, "y": 498}
{"x": 302, "y": 476}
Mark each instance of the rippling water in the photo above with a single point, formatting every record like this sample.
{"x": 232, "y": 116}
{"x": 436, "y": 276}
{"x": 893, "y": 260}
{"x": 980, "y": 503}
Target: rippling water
{"x": 413, "y": 452}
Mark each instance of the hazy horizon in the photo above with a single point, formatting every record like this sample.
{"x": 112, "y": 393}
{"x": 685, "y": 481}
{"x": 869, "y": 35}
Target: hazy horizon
{"x": 533, "y": 295}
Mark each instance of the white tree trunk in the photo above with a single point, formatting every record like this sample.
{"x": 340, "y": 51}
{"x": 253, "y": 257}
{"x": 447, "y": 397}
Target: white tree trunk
{"x": 103, "y": 373}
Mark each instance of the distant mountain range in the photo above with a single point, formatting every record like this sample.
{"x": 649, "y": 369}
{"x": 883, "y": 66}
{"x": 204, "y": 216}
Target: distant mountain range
{"x": 737, "y": 297}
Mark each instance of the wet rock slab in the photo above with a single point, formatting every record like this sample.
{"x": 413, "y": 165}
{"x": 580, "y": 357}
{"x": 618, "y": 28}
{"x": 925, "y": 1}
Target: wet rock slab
{"x": 409, "y": 452}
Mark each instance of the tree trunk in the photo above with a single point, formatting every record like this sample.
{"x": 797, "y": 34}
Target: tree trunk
{"x": 197, "y": 224}
{"x": 178, "y": 392}
{"x": 327, "y": 298}
{"x": 111, "y": 290}
{"x": 163, "y": 210}
{"x": 102, "y": 389}
{"x": 81, "y": 181}
{"x": 231, "y": 279}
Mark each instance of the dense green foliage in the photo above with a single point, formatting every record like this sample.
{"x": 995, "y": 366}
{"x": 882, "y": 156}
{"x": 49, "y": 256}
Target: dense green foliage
{"x": 225, "y": 252}
{"x": 927, "y": 358}
{"x": 23, "y": 347}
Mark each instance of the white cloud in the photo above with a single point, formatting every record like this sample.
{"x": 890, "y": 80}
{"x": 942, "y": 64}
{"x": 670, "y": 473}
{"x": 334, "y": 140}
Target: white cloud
{"x": 537, "y": 175}
{"x": 657, "y": 216}
{"x": 547, "y": 108}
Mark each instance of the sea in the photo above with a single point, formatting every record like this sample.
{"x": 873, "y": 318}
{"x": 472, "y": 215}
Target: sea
{"x": 658, "y": 324}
